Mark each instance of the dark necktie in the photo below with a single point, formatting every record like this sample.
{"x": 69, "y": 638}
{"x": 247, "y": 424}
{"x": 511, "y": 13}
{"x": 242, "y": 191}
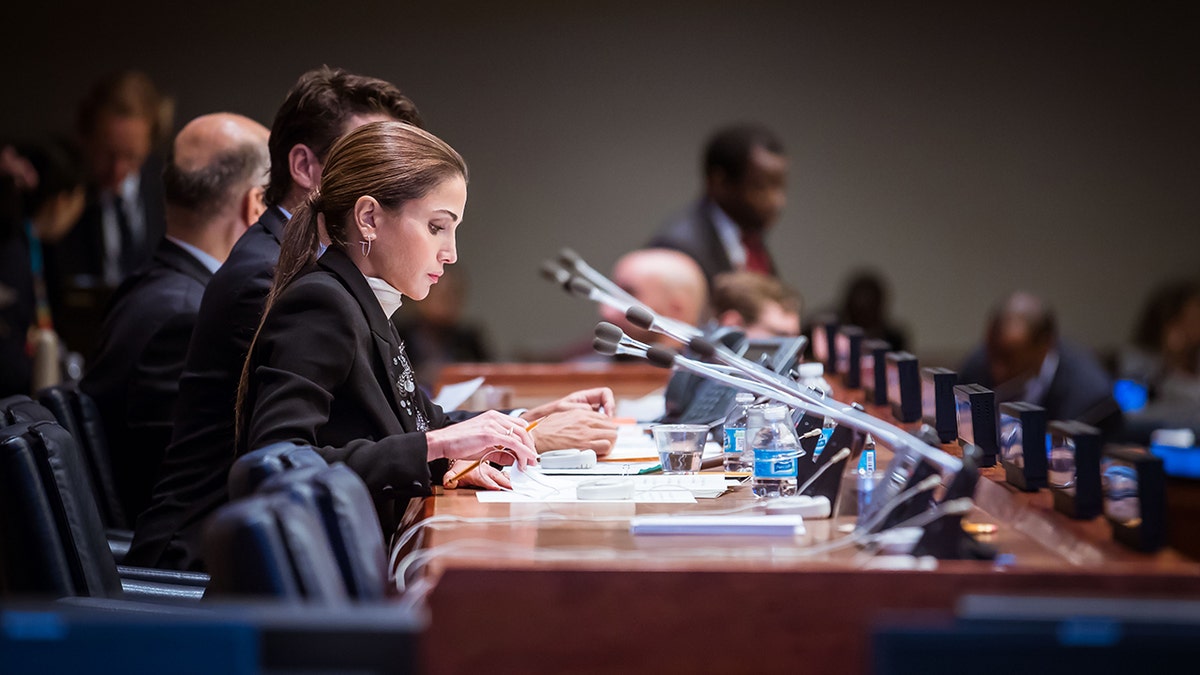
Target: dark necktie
{"x": 127, "y": 256}
{"x": 756, "y": 253}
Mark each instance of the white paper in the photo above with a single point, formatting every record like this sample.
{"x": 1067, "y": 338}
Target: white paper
{"x": 635, "y": 445}
{"x": 532, "y": 485}
{"x": 649, "y": 407}
{"x": 453, "y": 395}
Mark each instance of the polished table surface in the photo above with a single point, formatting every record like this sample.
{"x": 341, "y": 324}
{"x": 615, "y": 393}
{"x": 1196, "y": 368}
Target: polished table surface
{"x": 567, "y": 588}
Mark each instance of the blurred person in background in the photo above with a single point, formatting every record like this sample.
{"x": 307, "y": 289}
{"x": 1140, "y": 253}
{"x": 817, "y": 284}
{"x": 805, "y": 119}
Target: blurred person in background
{"x": 43, "y": 183}
{"x": 760, "y": 305}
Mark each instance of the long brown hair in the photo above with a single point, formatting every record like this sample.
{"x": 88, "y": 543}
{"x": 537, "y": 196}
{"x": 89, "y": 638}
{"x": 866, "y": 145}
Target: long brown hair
{"x": 393, "y": 162}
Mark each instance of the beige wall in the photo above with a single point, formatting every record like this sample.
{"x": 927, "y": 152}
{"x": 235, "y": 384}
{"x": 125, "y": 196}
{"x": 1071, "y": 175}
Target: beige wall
{"x": 963, "y": 152}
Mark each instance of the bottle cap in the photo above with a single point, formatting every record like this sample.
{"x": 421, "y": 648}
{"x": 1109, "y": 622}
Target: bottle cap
{"x": 810, "y": 369}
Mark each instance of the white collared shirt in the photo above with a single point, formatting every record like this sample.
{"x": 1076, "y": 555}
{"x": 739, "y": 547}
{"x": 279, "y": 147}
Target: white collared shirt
{"x": 389, "y": 298}
{"x": 210, "y": 263}
{"x": 730, "y": 235}
{"x": 1036, "y": 388}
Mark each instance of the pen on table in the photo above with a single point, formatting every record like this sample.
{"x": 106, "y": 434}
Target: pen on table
{"x": 474, "y": 465}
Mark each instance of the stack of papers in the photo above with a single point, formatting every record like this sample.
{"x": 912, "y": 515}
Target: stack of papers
{"x": 532, "y": 485}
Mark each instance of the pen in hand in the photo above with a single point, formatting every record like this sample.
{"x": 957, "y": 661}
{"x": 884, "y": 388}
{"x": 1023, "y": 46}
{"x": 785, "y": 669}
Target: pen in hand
{"x": 454, "y": 479}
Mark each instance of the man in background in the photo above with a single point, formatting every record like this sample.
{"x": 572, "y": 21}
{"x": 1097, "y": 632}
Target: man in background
{"x": 668, "y": 282}
{"x": 120, "y": 121}
{"x": 760, "y": 305}
{"x": 213, "y": 185}
{"x": 745, "y": 181}
{"x": 1024, "y": 359}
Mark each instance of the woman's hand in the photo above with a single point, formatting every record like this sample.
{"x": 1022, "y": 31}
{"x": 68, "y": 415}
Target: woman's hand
{"x": 492, "y": 436}
{"x": 483, "y": 476}
{"x": 576, "y": 428}
{"x": 600, "y": 398}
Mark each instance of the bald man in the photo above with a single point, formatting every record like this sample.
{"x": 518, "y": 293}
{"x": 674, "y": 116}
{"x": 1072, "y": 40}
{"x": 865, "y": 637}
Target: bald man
{"x": 213, "y": 186}
{"x": 667, "y": 281}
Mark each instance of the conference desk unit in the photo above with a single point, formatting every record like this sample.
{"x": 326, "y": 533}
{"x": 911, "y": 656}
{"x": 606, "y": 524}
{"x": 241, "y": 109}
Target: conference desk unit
{"x": 582, "y": 594}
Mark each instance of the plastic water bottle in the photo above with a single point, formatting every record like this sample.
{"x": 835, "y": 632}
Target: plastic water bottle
{"x": 866, "y": 477}
{"x": 812, "y": 374}
{"x": 826, "y": 431}
{"x": 735, "y": 435}
{"x": 772, "y": 438}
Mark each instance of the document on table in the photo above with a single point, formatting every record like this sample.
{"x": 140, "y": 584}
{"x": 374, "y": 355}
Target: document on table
{"x": 531, "y": 485}
{"x": 453, "y": 395}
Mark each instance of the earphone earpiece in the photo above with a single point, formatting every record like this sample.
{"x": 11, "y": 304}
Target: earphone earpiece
{"x": 568, "y": 459}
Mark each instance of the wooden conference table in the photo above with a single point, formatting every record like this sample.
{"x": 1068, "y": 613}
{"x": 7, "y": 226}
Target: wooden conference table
{"x": 584, "y": 595}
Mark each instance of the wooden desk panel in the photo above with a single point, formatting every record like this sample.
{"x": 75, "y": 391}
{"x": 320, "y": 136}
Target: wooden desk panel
{"x": 537, "y": 602}
{"x": 537, "y": 383}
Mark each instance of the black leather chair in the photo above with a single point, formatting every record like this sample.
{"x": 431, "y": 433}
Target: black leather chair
{"x": 53, "y": 542}
{"x": 252, "y": 468}
{"x": 77, "y": 413}
{"x": 271, "y": 546}
{"x": 20, "y": 408}
{"x": 343, "y": 504}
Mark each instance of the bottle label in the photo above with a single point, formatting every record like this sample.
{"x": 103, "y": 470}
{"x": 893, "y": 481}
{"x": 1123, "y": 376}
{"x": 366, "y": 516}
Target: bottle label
{"x": 775, "y": 463}
{"x": 735, "y": 440}
{"x": 824, "y": 439}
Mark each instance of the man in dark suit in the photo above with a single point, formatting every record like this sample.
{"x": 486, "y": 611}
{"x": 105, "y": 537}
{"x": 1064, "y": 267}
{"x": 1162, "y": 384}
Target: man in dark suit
{"x": 214, "y": 183}
{"x": 745, "y": 177}
{"x": 322, "y": 106}
{"x": 120, "y": 121}
{"x": 1024, "y": 359}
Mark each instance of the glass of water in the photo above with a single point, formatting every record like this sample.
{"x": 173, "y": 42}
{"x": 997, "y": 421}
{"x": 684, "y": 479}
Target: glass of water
{"x": 680, "y": 446}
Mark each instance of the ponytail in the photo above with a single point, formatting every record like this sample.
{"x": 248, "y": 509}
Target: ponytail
{"x": 301, "y": 236}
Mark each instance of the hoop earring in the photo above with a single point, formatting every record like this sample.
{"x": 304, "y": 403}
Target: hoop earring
{"x": 366, "y": 247}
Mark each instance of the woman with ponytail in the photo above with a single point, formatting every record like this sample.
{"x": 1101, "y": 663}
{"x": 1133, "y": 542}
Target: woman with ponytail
{"x": 327, "y": 367}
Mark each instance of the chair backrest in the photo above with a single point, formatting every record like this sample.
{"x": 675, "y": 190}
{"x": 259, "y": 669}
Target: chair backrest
{"x": 78, "y": 414}
{"x": 50, "y": 517}
{"x": 343, "y": 504}
{"x": 21, "y": 408}
{"x": 268, "y": 545}
{"x": 252, "y": 468}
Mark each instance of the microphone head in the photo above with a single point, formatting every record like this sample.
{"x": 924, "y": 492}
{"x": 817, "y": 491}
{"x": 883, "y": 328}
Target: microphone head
{"x": 661, "y": 357}
{"x": 609, "y": 332}
{"x": 569, "y": 258}
{"x": 702, "y": 347}
{"x": 604, "y": 346}
{"x": 553, "y": 272}
{"x": 580, "y": 286}
{"x": 640, "y": 317}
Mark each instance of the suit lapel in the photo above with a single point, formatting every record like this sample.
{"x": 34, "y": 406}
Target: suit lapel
{"x": 387, "y": 343}
{"x": 275, "y": 222}
{"x": 712, "y": 241}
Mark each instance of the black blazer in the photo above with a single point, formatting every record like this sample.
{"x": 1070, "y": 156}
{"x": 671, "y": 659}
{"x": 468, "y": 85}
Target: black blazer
{"x": 326, "y": 371}
{"x": 692, "y": 231}
{"x": 75, "y": 265}
{"x": 135, "y": 375}
{"x": 1080, "y": 389}
{"x": 191, "y": 480}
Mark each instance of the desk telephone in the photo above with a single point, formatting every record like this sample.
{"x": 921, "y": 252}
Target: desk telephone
{"x": 691, "y": 399}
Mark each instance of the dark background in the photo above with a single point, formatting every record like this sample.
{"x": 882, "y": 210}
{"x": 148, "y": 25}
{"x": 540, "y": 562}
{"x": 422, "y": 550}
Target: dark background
{"x": 963, "y": 149}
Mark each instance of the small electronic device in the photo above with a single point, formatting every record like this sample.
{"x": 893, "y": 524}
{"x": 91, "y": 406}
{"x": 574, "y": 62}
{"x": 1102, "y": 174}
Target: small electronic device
{"x": 606, "y": 489}
{"x": 1073, "y": 472}
{"x": 903, "y": 386}
{"x": 1135, "y": 497}
{"x": 1023, "y": 445}
{"x": 824, "y": 335}
{"x": 568, "y": 459}
{"x": 873, "y": 365}
{"x": 695, "y": 400}
{"x": 780, "y": 354}
{"x": 849, "y": 356}
{"x": 937, "y": 402}
{"x": 975, "y": 412}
